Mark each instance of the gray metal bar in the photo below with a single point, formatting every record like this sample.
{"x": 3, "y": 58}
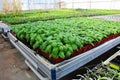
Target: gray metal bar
{"x": 27, "y": 57}
{"x": 11, "y": 37}
{"x": 5, "y": 37}
{"x": 35, "y": 71}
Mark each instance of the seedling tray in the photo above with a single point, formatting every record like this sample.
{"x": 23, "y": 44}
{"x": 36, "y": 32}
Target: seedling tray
{"x": 74, "y": 53}
{"x": 77, "y": 52}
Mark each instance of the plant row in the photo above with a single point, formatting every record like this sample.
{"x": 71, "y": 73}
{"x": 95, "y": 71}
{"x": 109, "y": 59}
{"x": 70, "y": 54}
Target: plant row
{"x": 41, "y": 15}
{"x": 38, "y": 15}
{"x": 93, "y": 12}
{"x": 61, "y": 37}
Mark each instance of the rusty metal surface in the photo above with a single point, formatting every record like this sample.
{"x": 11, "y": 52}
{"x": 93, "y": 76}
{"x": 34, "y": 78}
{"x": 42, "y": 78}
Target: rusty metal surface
{"x": 12, "y": 66}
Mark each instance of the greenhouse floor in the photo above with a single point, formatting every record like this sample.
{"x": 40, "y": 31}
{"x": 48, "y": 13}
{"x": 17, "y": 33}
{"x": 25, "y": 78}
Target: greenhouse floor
{"x": 12, "y": 66}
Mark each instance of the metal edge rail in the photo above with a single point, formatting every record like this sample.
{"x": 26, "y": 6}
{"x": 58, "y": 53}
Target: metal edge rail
{"x": 61, "y": 69}
{"x": 35, "y": 71}
{"x": 43, "y": 67}
{"x": 28, "y": 56}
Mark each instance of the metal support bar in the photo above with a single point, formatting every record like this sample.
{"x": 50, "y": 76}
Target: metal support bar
{"x": 53, "y": 74}
{"x": 4, "y": 36}
{"x": 35, "y": 71}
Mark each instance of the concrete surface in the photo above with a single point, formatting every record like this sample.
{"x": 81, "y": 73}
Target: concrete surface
{"x": 115, "y": 17}
{"x": 12, "y": 66}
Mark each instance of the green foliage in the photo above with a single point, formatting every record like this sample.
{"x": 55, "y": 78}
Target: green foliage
{"x": 93, "y": 12}
{"x": 61, "y": 37}
{"x": 38, "y": 15}
{"x": 43, "y": 15}
{"x": 102, "y": 72}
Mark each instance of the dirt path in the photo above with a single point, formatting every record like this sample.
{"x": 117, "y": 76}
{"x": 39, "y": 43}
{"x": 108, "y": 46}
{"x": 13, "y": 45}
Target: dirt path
{"x": 12, "y": 66}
